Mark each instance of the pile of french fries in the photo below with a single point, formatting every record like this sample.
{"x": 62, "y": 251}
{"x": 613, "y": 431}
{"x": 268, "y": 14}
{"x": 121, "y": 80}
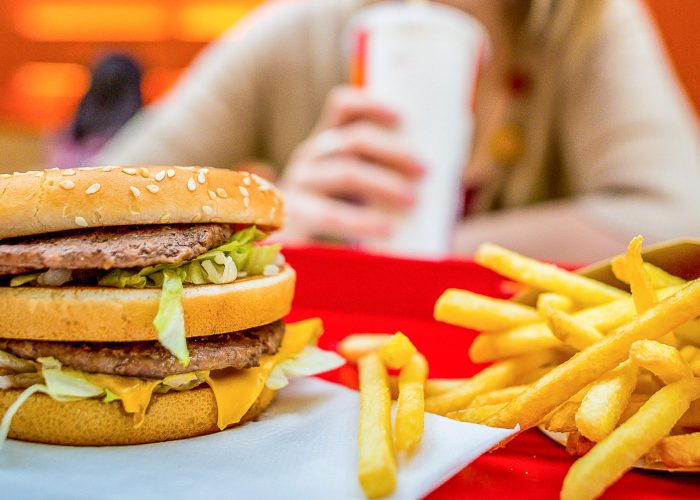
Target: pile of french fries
{"x": 618, "y": 372}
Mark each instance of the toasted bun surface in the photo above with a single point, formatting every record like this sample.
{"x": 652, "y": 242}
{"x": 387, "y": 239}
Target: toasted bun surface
{"x": 58, "y": 200}
{"x": 90, "y": 422}
{"x": 101, "y": 314}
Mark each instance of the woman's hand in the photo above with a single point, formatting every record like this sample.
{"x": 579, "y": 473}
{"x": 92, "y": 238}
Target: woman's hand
{"x": 351, "y": 177}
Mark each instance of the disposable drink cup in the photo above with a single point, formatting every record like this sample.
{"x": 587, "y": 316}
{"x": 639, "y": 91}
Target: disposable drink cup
{"x": 422, "y": 60}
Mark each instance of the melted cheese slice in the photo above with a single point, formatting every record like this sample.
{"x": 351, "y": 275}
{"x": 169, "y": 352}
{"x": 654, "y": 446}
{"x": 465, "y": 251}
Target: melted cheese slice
{"x": 236, "y": 390}
{"x": 134, "y": 393}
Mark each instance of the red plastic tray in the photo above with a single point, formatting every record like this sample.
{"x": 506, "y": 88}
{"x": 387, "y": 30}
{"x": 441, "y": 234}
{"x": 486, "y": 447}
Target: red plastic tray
{"x": 354, "y": 292}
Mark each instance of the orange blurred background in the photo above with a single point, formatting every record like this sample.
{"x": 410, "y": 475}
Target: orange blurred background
{"x": 48, "y": 46}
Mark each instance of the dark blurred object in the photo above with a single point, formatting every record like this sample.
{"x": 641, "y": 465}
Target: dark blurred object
{"x": 114, "y": 96}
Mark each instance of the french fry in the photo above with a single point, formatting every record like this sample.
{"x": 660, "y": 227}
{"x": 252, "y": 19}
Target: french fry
{"x": 691, "y": 418}
{"x": 496, "y": 376}
{"x": 610, "y": 458}
{"x": 647, "y": 383}
{"x": 689, "y": 333}
{"x": 547, "y": 277}
{"x": 408, "y": 427}
{"x": 494, "y": 346}
{"x": 577, "y": 444}
{"x": 498, "y": 395}
{"x": 536, "y": 374}
{"x": 691, "y": 355}
{"x": 557, "y": 301}
{"x": 605, "y": 401}
{"x": 679, "y": 451}
{"x": 657, "y": 276}
{"x": 376, "y": 460}
{"x": 356, "y": 345}
{"x": 563, "y": 419}
{"x": 571, "y": 331}
{"x": 643, "y": 293}
{"x": 478, "y": 312}
{"x": 476, "y": 414}
{"x": 433, "y": 386}
{"x": 397, "y": 351}
{"x": 586, "y": 366}
{"x": 662, "y": 360}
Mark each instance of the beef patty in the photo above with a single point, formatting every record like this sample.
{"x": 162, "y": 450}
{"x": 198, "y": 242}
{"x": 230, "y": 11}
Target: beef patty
{"x": 151, "y": 360}
{"x": 111, "y": 247}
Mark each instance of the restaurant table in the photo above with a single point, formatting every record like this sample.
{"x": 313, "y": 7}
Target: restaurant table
{"x": 355, "y": 292}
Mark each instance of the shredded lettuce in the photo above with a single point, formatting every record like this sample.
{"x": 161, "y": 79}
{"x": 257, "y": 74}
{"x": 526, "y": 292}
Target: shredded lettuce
{"x": 14, "y": 407}
{"x": 170, "y": 320}
{"x": 64, "y": 384}
{"x": 23, "y": 279}
{"x": 61, "y": 384}
{"x": 309, "y": 361}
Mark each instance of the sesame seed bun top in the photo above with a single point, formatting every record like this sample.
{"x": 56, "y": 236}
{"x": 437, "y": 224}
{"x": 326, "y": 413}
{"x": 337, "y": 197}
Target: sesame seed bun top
{"x": 57, "y": 200}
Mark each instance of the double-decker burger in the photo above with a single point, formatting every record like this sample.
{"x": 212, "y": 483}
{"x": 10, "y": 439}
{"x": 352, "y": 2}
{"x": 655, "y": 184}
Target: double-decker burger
{"x": 140, "y": 304}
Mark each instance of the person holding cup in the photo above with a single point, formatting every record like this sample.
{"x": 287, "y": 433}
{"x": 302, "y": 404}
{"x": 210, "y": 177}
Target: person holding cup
{"x": 582, "y": 136}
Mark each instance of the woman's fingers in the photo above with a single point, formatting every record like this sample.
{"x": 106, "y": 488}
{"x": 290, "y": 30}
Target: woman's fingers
{"x": 310, "y": 215}
{"x": 354, "y": 178}
{"x": 370, "y": 142}
{"x": 346, "y": 104}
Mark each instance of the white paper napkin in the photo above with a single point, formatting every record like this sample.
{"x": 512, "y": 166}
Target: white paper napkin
{"x": 304, "y": 446}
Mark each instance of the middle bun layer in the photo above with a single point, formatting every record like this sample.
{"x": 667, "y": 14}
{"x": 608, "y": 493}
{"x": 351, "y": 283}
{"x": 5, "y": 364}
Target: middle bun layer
{"x": 99, "y": 314}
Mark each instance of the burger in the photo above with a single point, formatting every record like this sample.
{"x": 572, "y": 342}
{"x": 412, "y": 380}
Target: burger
{"x": 142, "y": 304}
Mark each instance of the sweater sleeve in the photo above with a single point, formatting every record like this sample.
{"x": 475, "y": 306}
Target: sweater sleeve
{"x": 629, "y": 138}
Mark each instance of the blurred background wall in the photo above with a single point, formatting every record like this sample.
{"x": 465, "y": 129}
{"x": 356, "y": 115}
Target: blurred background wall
{"x": 48, "y": 46}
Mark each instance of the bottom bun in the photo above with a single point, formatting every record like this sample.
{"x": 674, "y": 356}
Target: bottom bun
{"x": 90, "y": 422}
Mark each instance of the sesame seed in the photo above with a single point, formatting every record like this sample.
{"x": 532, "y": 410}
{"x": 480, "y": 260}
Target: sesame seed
{"x": 107, "y": 169}
{"x": 197, "y": 218}
{"x": 145, "y": 172}
{"x": 203, "y": 170}
{"x": 191, "y": 185}
{"x": 135, "y": 191}
{"x": 207, "y": 209}
{"x": 171, "y": 173}
{"x": 81, "y": 221}
{"x": 201, "y": 178}
{"x": 246, "y": 181}
{"x": 67, "y": 184}
{"x": 246, "y": 202}
{"x": 212, "y": 195}
{"x": 153, "y": 188}
{"x": 160, "y": 175}
{"x": 130, "y": 171}
{"x": 222, "y": 192}
{"x": 93, "y": 189}
{"x": 243, "y": 191}
{"x": 69, "y": 171}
